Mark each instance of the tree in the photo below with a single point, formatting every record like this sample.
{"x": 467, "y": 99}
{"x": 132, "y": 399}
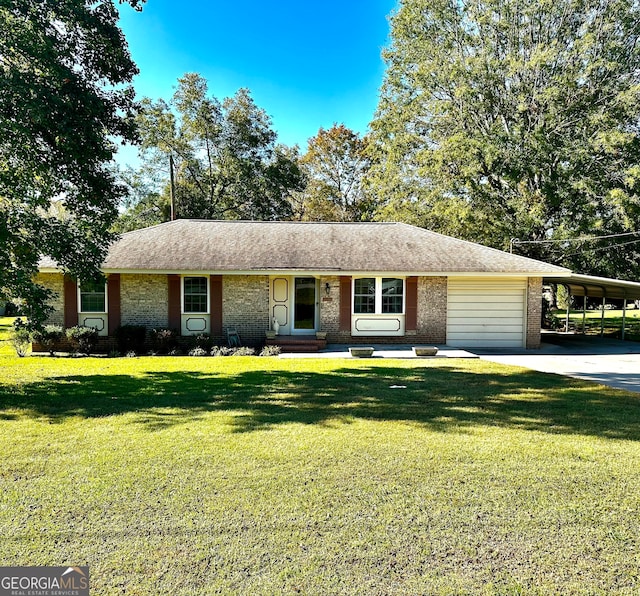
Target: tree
{"x": 227, "y": 162}
{"x": 143, "y": 205}
{"x": 514, "y": 118}
{"x": 64, "y": 96}
{"x": 335, "y": 164}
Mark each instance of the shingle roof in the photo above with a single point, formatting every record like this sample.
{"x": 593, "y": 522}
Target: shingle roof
{"x": 246, "y": 246}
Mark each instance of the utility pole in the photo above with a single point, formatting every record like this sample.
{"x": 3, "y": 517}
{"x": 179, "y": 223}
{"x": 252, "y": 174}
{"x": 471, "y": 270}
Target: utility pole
{"x": 173, "y": 188}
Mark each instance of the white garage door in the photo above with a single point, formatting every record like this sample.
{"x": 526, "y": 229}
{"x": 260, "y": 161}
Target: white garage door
{"x": 486, "y": 313}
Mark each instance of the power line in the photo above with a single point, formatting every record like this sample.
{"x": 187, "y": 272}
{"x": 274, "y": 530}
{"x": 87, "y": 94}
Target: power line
{"x": 603, "y": 248}
{"x": 516, "y": 241}
{"x": 581, "y": 239}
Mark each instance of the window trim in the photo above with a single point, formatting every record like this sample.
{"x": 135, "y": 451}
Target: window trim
{"x": 182, "y": 295}
{"x": 378, "y": 296}
{"x": 106, "y": 301}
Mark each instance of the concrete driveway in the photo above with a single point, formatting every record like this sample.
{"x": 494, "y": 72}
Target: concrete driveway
{"x": 607, "y": 361}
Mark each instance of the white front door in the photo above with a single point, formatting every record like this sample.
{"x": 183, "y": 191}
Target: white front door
{"x": 293, "y": 304}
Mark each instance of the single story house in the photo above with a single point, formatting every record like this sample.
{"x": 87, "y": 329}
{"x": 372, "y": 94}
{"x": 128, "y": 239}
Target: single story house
{"x": 356, "y": 282}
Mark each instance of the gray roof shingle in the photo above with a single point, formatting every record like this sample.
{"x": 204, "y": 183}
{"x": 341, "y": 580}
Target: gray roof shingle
{"x": 247, "y": 246}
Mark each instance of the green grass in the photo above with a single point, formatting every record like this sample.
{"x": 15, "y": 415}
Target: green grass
{"x": 5, "y": 326}
{"x": 283, "y": 476}
{"x": 612, "y": 322}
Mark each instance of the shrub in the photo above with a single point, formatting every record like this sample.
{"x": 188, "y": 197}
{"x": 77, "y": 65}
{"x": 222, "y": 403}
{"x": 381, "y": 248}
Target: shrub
{"x": 204, "y": 341}
{"x": 20, "y": 337}
{"x": 244, "y": 351}
{"x": 83, "y": 339}
{"x": 164, "y": 340}
{"x": 270, "y": 351}
{"x": 11, "y": 310}
{"x": 198, "y": 351}
{"x": 130, "y": 338}
{"x": 221, "y": 351}
{"x": 50, "y": 337}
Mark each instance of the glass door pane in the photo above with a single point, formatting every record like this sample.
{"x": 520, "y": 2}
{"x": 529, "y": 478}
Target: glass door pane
{"x": 304, "y": 310}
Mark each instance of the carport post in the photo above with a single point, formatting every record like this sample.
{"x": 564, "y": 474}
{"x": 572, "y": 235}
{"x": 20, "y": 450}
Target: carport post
{"x": 566, "y": 323}
{"x": 624, "y": 314}
{"x": 602, "y": 317}
{"x": 584, "y": 314}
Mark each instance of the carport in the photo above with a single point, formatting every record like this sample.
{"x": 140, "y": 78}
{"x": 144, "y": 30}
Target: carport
{"x": 589, "y": 286}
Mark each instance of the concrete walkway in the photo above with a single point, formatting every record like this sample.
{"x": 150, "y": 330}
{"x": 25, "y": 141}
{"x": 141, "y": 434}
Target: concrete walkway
{"x": 380, "y": 351}
{"x": 607, "y": 361}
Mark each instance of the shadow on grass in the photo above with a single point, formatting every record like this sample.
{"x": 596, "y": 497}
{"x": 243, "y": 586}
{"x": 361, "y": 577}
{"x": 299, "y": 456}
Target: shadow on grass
{"x": 443, "y": 398}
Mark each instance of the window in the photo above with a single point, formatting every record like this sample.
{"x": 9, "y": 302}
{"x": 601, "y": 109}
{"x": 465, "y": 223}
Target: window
{"x": 93, "y": 297}
{"x": 392, "y": 295}
{"x": 378, "y": 295}
{"x": 195, "y": 294}
{"x": 364, "y": 295}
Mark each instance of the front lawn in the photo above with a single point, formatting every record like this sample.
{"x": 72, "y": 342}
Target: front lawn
{"x": 593, "y": 322}
{"x": 5, "y": 328}
{"x": 248, "y": 475}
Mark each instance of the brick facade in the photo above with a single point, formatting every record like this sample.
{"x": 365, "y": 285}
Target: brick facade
{"x": 245, "y": 307}
{"x": 432, "y": 310}
{"x": 144, "y": 300}
{"x": 534, "y": 312}
{"x": 330, "y": 310}
{"x": 55, "y": 283}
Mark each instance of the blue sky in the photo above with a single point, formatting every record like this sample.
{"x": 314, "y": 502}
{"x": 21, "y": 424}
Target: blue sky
{"x": 307, "y": 64}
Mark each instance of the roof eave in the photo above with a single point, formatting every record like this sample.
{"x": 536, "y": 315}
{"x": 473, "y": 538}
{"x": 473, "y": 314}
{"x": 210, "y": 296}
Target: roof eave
{"x": 327, "y": 271}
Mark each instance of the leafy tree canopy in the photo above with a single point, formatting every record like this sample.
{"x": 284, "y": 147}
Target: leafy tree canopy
{"x": 514, "y": 118}
{"x": 227, "y": 164}
{"x": 143, "y": 205}
{"x": 335, "y": 165}
{"x": 64, "y": 95}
